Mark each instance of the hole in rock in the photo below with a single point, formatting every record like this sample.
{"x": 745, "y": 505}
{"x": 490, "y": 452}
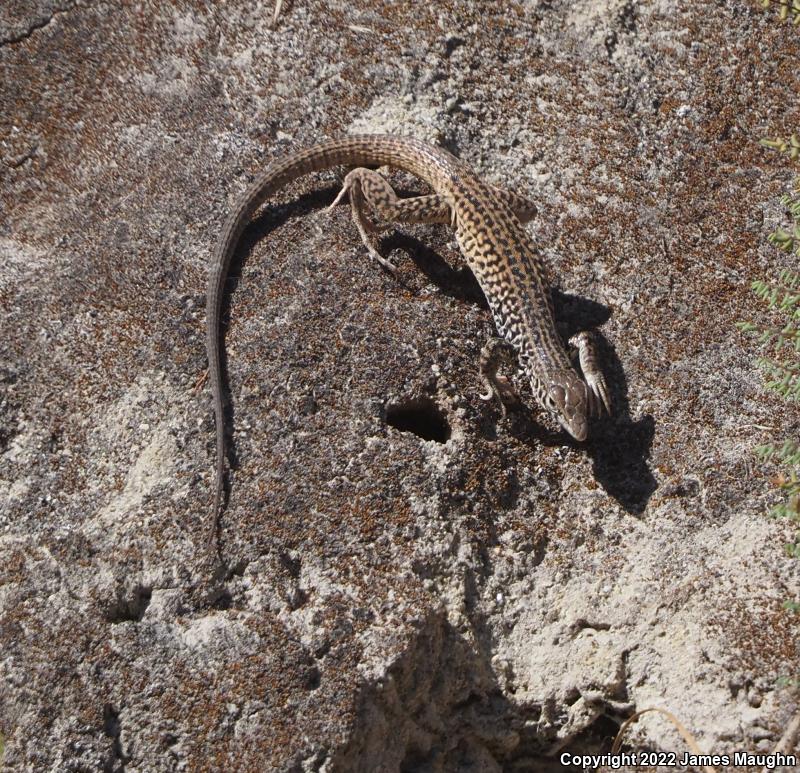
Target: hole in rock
{"x": 422, "y": 417}
{"x": 130, "y": 608}
{"x": 222, "y": 600}
{"x": 312, "y": 678}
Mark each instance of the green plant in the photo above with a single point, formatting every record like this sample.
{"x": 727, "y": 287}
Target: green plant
{"x": 782, "y": 366}
{"x": 789, "y": 456}
{"x": 785, "y": 8}
{"x": 790, "y": 146}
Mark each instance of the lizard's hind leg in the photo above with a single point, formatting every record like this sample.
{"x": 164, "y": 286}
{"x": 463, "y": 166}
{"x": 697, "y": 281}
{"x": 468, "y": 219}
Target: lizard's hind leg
{"x": 522, "y": 206}
{"x": 366, "y": 186}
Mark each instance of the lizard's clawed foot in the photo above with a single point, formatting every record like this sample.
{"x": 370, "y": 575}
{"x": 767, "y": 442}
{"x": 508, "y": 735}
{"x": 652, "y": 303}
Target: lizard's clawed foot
{"x": 598, "y": 389}
{"x": 367, "y": 230}
{"x": 498, "y": 387}
{"x": 599, "y": 395}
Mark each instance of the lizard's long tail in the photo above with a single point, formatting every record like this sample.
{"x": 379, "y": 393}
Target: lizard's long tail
{"x": 417, "y": 157}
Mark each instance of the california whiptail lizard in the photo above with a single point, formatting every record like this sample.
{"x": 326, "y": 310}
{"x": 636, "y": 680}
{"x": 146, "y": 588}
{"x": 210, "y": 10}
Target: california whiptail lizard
{"x": 488, "y": 228}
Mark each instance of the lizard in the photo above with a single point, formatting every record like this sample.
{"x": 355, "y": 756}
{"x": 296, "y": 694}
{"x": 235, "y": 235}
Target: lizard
{"x": 488, "y": 224}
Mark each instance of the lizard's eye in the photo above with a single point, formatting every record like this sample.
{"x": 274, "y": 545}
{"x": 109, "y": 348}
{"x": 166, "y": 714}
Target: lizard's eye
{"x": 555, "y": 397}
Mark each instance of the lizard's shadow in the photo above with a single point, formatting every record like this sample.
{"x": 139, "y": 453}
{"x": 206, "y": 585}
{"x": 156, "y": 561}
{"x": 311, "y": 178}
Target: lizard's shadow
{"x": 271, "y": 217}
{"x": 458, "y": 282}
{"x": 618, "y": 446}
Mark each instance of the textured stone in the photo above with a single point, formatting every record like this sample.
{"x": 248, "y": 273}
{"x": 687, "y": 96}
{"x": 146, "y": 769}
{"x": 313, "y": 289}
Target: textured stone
{"x": 388, "y": 602}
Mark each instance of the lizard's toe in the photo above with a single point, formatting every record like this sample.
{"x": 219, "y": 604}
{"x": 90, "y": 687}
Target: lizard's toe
{"x": 600, "y": 398}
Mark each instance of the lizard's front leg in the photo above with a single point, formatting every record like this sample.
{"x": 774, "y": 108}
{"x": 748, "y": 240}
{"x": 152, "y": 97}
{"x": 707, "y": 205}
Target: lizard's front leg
{"x": 586, "y": 344}
{"x": 498, "y": 387}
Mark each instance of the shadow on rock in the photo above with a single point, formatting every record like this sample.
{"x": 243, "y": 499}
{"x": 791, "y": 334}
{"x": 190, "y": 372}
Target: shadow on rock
{"x": 458, "y": 283}
{"x": 619, "y": 447}
{"x": 271, "y": 217}
{"x": 438, "y": 706}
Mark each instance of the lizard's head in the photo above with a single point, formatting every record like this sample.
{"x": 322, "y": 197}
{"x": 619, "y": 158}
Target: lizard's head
{"x": 565, "y": 395}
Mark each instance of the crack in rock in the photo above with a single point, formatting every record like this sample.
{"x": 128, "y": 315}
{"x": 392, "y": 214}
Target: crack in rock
{"x": 12, "y": 38}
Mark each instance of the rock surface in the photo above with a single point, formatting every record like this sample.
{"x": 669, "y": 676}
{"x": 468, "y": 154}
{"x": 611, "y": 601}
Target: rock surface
{"x": 481, "y": 600}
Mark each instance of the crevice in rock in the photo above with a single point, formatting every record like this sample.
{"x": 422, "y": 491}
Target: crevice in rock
{"x": 627, "y": 17}
{"x": 582, "y": 624}
{"x": 18, "y": 37}
{"x": 291, "y": 564}
{"x": 130, "y": 607}
{"x": 611, "y": 43}
{"x": 237, "y": 569}
{"x": 113, "y": 729}
{"x": 439, "y": 706}
{"x": 222, "y": 600}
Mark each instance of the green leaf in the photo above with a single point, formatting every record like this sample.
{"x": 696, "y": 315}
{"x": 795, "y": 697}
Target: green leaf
{"x": 765, "y": 452}
{"x": 783, "y": 337}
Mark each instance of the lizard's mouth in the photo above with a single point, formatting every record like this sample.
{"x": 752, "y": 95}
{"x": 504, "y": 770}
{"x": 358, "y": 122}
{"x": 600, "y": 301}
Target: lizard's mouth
{"x": 578, "y": 427}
